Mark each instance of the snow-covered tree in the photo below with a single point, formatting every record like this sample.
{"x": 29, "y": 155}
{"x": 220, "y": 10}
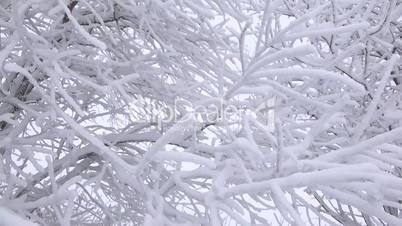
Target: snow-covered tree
{"x": 200, "y": 112}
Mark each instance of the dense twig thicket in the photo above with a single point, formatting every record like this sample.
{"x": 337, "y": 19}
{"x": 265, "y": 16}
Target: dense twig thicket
{"x": 88, "y": 89}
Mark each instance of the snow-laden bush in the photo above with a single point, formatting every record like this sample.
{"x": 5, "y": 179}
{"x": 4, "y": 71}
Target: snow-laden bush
{"x": 200, "y": 112}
